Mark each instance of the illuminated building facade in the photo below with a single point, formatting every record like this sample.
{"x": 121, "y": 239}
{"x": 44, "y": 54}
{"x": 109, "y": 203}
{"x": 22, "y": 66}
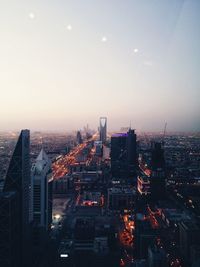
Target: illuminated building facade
{"x": 118, "y": 155}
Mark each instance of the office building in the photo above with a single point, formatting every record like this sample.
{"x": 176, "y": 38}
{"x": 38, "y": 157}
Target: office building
{"x": 131, "y": 152}
{"x": 9, "y": 229}
{"x": 124, "y": 154}
{"x": 79, "y": 139}
{"x": 40, "y": 175}
{"x": 98, "y": 148}
{"x": 157, "y": 180}
{"x": 118, "y": 155}
{"x": 18, "y": 180}
{"x": 103, "y": 129}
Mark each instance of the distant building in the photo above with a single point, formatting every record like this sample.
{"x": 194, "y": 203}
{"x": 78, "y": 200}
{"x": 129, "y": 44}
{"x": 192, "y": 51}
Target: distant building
{"x": 79, "y": 139}
{"x": 98, "y": 146}
{"x": 9, "y": 230}
{"x": 157, "y": 180}
{"x": 103, "y": 129}
{"x": 18, "y": 180}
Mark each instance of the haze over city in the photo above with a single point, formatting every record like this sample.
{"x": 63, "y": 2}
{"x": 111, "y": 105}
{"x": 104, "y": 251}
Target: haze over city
{"x": 66, "y": 63}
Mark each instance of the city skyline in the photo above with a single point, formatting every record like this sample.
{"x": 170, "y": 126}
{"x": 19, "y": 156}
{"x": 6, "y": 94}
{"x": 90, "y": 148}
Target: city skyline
{"x": 67, "y": 63}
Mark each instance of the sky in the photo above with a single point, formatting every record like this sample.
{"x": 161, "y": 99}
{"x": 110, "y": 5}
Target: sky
{"x": 65, "y": 63}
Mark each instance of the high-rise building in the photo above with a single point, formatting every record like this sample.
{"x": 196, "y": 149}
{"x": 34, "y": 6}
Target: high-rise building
{"x": 9, "y": 229}
{"x": 118, "y": 155}
{"x": 131, "y": 151}
{"x": 41, "y": 199}
{"x": 79, "y": 139}
{"x": 103, "y": 129}
{"x": 157, "y": 180}
{"x": 18, "y": 180}
{"x": 40, "y": 175}
{"x": 123, "y": 154}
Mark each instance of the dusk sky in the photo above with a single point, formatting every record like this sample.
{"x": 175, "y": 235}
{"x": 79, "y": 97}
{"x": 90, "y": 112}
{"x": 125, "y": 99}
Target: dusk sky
{"x": 65, "y": 63}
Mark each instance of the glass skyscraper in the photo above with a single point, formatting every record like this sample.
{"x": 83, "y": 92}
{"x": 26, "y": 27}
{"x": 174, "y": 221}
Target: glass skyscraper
{"x": 18, "y": 180}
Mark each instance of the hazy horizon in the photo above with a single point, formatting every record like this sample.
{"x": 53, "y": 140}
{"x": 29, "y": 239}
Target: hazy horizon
{"x": 64, "y": 64}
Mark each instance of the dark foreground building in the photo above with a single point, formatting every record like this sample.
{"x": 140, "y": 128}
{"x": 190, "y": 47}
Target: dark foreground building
{"x": 18, "y": 181}
{"x": 9, "y": 230}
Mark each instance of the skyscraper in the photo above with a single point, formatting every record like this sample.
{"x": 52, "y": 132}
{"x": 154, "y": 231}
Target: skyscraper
{"x": 79, "y": 139}
{"x": 123, "y": 154}
{"x": 157, "y": 181}
{"x": 40, "y": 202}
{"x": 103, "y": 129}
{"x": 40, "y": 175}
{"x": 118, "y": 155}
{"x": 18, "y": 180}
{"x": 9, "y": 229}
{"x": 131, "y": 151}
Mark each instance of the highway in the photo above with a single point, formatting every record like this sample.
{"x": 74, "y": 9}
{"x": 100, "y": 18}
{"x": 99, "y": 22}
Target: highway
{"x": 61, "y": 167}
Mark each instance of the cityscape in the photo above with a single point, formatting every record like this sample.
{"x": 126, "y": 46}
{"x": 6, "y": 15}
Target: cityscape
{"x": 99, "y": 133}
{"x": 93, "y": 198}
